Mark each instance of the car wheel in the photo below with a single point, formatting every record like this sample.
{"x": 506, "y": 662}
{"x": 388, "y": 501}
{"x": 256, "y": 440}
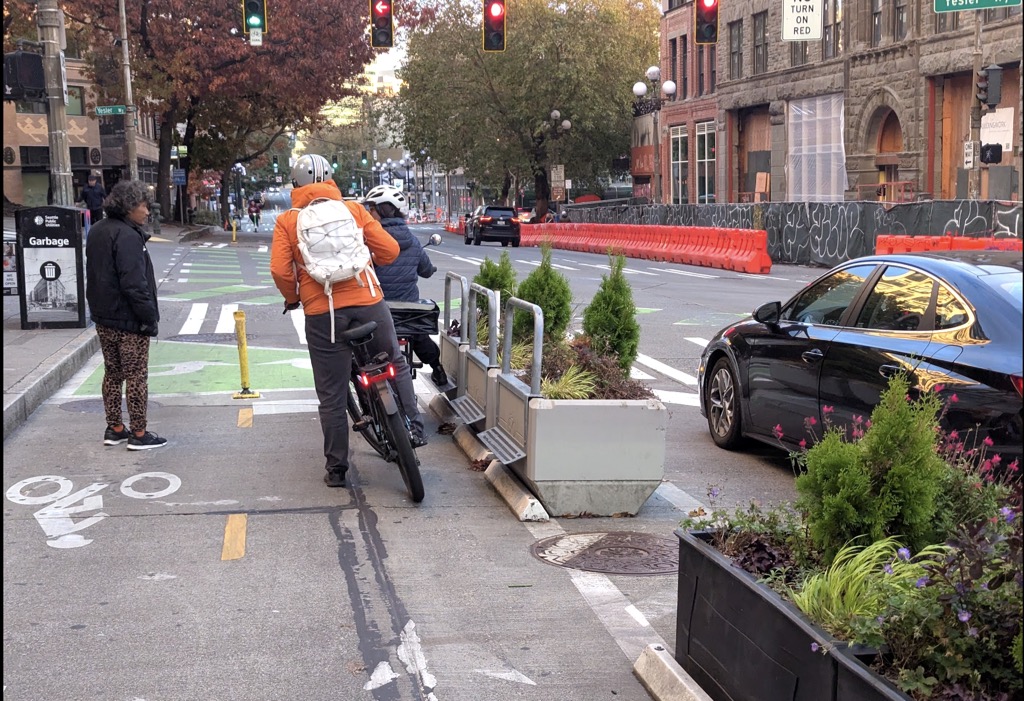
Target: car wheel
{"x": 515, "y": 242}
{"x": 722, "y": 400}
{"x": 504, "y": 244}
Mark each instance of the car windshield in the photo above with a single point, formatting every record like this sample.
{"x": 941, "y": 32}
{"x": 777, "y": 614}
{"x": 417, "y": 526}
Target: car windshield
{"x": 1008, "y": 285}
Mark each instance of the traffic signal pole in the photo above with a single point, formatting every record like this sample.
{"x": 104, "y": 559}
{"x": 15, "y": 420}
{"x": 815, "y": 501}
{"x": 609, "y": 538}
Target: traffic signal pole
{"x": 130, "y": 117}
{"x": 49, "y": 20}
{"x": 974, "y": 174}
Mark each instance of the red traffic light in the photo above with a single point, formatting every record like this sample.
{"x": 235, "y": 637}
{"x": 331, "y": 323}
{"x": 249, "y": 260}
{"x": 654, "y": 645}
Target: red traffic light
{"x": 496, "y": 10}
{"x": 708, "y": 4}
{"x": 494, "y": 25}
{"x": 382, "y": 29}
{"x": 706, "y": 22}
{"x": 381, "y": 8}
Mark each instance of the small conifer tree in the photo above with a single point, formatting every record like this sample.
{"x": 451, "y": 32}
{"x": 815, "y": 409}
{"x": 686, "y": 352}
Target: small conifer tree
{"x": 610, "y": 319}
{"x": 548, "y": 289}
{"x": 500, "y": 276}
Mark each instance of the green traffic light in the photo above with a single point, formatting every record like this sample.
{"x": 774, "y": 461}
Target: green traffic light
{"x": 254, "y": 21}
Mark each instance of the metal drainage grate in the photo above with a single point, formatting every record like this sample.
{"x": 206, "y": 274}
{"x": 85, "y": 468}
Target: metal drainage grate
{"x": 610, "y": 553}
{"x": 210, "y": 338}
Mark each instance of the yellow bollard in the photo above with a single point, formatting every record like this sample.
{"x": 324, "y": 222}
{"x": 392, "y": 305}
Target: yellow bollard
{"x": 234, "y": 231}
{"x": 243, "y": 359}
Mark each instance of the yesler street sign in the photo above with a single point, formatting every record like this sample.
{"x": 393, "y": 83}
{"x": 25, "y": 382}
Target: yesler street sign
{"x": 957, "y": 5}
{"x": 107, "y": 110}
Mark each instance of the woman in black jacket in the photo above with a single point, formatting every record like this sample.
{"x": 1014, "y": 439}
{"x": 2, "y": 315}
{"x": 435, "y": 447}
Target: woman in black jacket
{"x": 121, "y": 291}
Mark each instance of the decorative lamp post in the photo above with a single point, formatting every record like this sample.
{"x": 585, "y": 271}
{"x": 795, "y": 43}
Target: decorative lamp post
{"x": 652, "y": 105}
{"x": 554, "y": 129}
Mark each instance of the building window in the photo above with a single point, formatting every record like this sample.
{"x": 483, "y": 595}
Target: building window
{"x": 900, "y": 19}
{"x": 946, "y": 21}
{"x": 700, "y": 69}
{"x": 30, "y": 107}
{"x": 816, "y": 161}
{"x": 673, "y": 4}
{"x": 876, "y": 22}
{"x": 680, "y": 165}
{"x": 713, "y": 61}
{"x": 760, "y": 43}
{"x": 736, "y": 50}
{"x": 832, "y": 37}
{"x": 684, "y": 71}
{"x": 673, "y": 63}
{"x": 797, "y": 53}
{"x": 1001, "y": 13}
{"x": 76, "y": 101}
{"x": 705, "y": 162}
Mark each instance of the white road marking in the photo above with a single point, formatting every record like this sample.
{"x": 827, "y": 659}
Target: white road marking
{"x": 226, "y": 322}
{"x": 553, "y": 265}
{"x": 509, "y": 676}
{"x": 638, "y": 374}
{"x": 684, "y": 398}
{"x": 702, "y": 342}
{"x": 262, "y": 249}
{"x": 411, "y": 653}
{"x": 639, "y": 617}
{"x": 687, "y": 273}
{"x": 382, "y": 675}
{"x": 296, "y": 406}
{"x": 298, "y": 318}
{"x": 182, "y": 279}
{"x": 667, "y": 370}
{"x": 762, "y": 277}
{"x": 625, "y": 270}
{"x": 474, "y": 261}
{"x": 194, "y": 322}
{"x": 677, "y": 497}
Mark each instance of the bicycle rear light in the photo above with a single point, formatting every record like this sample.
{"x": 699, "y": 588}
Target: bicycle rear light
{"x": 378, "y": 375}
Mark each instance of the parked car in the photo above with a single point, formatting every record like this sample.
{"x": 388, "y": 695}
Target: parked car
{"x": 493, "y": 223}
{"x": 951, "y": 319}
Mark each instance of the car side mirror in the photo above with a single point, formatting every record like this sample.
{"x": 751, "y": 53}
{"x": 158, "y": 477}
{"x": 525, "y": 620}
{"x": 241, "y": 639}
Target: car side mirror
{"x": 769, "y": 313}
{"x": 434, "y": 240}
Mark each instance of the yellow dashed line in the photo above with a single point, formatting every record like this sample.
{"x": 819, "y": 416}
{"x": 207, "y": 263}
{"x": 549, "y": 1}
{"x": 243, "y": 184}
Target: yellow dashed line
{"x": 234, "y": 537}
{"x": 245, "y": 417}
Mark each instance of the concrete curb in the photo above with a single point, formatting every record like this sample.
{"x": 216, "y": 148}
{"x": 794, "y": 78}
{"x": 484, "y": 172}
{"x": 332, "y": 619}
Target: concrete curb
{"x": 523, "y": 504}
{"x": 664, "y": 679}
{"x": 58, "y": 369}
{"x": 441, "y": 408}
{"x": 471, "y": 445}
{"x": 194, "y": 234}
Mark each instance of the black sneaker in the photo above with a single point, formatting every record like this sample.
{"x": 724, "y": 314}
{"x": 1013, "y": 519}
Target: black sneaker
{"x": 334, "y": 478}
{"x": 148, "y": 440}
{"x": 439, "y": 377}
{"x": 417, "y": 439}
{"x": 112, "y": 437}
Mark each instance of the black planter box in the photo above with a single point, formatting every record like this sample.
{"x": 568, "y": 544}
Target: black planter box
{"x": 743, "y": 642}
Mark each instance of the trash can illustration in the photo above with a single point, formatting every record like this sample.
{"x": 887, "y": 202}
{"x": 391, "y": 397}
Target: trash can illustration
{"x": 50, "y": 267}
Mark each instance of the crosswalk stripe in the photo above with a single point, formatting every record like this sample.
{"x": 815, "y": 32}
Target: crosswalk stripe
{"x": 667, "y": 370}
{"x": 687, "y": 273}
{"x": 638, "y": 374}
{"x": 226, "y": 322}
{"x": 194, "y": 321}
{"x": 702, "y": 342}
{"x": 685, "y": 398}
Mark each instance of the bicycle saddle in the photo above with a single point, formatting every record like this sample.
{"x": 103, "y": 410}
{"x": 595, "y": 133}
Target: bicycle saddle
{"x": 357, "y": 332}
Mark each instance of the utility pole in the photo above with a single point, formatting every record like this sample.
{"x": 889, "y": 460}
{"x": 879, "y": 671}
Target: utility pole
{"x": 130, "y": 117}
{"x": 49, "y": 20}
{"x": 974, "y": 174}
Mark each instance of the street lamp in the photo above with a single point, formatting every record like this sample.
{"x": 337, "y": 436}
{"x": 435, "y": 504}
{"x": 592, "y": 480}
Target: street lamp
{"x": 555, "y": 129}
{"x": 652, "y": 105}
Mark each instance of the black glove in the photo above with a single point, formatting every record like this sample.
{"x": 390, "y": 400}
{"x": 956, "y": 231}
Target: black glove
{"x": 289, "y": 307}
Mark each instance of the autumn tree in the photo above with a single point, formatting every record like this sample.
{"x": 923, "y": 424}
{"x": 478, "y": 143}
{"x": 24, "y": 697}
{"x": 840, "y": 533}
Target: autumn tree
{"x": 191, "y": 64}
{"x": 489, "y": 112}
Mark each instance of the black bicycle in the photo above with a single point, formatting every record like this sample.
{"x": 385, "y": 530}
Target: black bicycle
{"x": 375, "y": 410}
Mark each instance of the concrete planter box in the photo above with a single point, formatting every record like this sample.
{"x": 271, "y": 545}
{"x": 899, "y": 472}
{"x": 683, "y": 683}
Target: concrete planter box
{"x": 572, "y": 466}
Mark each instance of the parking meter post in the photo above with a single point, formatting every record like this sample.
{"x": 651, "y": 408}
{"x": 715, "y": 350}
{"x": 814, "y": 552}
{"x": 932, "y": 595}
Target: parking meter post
{"x": 155, "y": 210}
{"x": 243, "y": 358}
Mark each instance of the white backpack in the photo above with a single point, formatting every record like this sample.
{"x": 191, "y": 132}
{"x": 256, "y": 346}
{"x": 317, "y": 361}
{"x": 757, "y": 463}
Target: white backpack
{"x": 333, "y": 248}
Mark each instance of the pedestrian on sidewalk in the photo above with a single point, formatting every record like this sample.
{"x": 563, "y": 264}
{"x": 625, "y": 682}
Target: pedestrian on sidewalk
{"x": 399, "y": 279}
{"x": 355, "y": 301}
{"x": 121, "y": 291}
{"x": 93, "y": 195}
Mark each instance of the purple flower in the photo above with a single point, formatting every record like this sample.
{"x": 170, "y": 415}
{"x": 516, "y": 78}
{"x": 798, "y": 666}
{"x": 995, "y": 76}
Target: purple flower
{"x": 1008, "y": 514}
{"x": 879, "y": 620}
{"x": 964, "y": 616}
{"x": 921, "y": 583}
{"x": 887, "y": 568}
{"x": 815, "y": 647}
{"x": 903, "y": 553}
{"x": 713, "y": 492}
{"x": 973, "y": 632}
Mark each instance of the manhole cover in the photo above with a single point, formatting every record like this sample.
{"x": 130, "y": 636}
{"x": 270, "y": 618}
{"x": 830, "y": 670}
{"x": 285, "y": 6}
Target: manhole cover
{"x": 209, "y": 338}
{"x": 610, "y": 553}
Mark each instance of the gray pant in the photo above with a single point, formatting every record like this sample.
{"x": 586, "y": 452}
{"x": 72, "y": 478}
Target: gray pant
{"x": 332, "y": 370}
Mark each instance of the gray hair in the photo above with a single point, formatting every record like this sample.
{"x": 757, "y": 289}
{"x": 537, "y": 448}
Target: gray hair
{"x": 125, "y": 197}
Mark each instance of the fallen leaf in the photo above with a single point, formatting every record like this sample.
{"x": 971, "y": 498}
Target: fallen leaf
{"x": 479, "y": 465}
{"x": 446, "y": 429}
{"x": 355, "y": 667}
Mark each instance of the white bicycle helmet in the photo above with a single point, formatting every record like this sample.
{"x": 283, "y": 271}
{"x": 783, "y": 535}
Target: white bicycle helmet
{"x": 390, "y": 194}
{"x": 309, "y": 169}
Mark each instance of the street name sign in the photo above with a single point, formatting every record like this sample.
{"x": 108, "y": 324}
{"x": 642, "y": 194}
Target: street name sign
{"x": 802, "y": 20}
{"x": 957, "y": 5}
{"x": 107, "y": 110}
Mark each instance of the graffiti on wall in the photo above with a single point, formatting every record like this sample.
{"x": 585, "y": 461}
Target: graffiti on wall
{"x": 824, "y": 233}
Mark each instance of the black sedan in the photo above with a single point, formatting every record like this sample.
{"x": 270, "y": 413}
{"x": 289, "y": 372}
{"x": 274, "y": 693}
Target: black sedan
{"x": 951, "y": 320}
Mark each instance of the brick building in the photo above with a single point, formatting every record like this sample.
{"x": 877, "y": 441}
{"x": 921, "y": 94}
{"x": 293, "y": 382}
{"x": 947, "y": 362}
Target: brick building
{"x": 96, "y": 143}
{"x": 877, "y": 108}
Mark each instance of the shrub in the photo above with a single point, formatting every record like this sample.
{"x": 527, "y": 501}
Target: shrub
{"x": 885, "y": 483}
{"x": 206, "y": 217}
{"x": 610, "y": 319}
{"x": 548, "y": 289}
{"x": 500, "y": 277}
{"x": 574, "y": 383}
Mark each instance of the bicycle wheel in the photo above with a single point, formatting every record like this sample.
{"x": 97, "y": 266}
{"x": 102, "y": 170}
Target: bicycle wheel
{"x": 408, "y": 465}
{"x": 357, "y": 410}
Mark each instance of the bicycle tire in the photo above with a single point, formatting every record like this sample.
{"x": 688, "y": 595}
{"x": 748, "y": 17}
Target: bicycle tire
{"x": 356, "y": 412}
{"x": 408, "y": 465}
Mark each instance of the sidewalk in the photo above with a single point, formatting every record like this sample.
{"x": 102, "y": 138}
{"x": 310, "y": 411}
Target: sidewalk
{"x": 38, "y": 361}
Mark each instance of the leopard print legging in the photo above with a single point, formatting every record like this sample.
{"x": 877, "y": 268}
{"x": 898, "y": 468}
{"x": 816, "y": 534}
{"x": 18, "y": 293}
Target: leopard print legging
{"x": 125, "y": 360}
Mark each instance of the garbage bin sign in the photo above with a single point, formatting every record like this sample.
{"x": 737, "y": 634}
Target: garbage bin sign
{"x": 50, "y": 268}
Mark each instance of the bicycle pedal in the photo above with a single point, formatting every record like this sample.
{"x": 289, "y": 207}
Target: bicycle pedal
{"x": 360, "y": 425}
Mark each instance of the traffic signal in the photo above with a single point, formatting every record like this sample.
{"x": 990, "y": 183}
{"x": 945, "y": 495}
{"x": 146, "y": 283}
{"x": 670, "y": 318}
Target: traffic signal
{"x": 991, "y": 153}
{"x": 995, "y": 86}
{"x": 706, "y": 22}
{"x": 23, "y": 76}
{"x": 334, "y": 162}
{"x": 382, "y": 24}
{"x": 254, "y": 14}
{"x": 363, "y": 159}
{"x": 494, "y": 25}
{"x": 982, "y": 85}
{"x": 275, "y": 164}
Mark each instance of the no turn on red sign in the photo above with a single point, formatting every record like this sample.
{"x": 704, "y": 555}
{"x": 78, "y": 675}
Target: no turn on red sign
{"x": 801, "y": 20}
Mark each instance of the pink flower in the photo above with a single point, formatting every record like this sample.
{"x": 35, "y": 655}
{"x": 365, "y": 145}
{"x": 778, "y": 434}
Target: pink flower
{"x": 778, "y": 431}
{"x": 812, "y": 421}
{"x": 1013, "y": 466}
{"x": 954, "y": 399}
{"x": 996, "y": 459}
{"x": 803, "y": 444}
{"x": 858, "y": 419}
{"x": 826, "y": 410}
{"x": 939, "y": 388}
{"x": 867, "y": 424}
{"x": 986, "y": 466}
{"x": 953, "y": 435}
{"x": 988, "y": 441}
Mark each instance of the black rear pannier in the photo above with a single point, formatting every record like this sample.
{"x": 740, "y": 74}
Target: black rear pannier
{"x": 415, "y": 318}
